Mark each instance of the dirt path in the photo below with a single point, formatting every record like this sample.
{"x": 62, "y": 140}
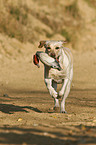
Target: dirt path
{"x": 25, "y": 117}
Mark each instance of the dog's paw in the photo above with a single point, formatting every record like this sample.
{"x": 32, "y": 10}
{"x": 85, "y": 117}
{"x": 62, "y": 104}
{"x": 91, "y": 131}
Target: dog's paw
{"x": 60, "y": 94}
{"x": 65, "y": 112}
{"x": 54, "y": 96}
{"x": 53, "y": 93}
{"x": 56, "y": 109}
{"x": 58, "y": 97}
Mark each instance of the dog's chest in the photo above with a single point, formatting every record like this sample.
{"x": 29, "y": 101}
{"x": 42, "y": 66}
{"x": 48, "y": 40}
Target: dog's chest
{"x": 58, "y": 75}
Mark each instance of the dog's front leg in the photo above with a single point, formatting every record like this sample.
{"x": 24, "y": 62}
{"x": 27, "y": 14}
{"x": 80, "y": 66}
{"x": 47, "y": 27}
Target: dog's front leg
{"x": 56, "y": 101}
{"x": 48, "y": 82}
{"x": 51, "y": 90}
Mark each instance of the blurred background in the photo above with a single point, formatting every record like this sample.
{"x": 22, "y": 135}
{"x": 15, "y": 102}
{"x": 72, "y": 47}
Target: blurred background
{"x": 34, "y": 20}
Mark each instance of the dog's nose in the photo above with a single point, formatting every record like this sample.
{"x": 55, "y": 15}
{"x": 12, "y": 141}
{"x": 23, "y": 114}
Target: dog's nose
{"x": 52, "y": 54}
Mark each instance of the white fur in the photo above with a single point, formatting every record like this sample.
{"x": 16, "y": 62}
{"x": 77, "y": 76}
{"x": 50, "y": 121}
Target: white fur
{"x": 54, "y": 76}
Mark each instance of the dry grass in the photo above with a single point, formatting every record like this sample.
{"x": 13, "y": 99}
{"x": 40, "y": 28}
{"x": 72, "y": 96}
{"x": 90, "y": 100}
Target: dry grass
{"x": 15, "y": 22}
{"x": 91, "y": 3}
{"x": 32, "y": 20}
{"x": 73, "y": 10}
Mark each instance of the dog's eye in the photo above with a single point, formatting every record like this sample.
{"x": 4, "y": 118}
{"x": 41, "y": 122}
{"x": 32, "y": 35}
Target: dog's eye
{"x": 57, "y": 48}
{"x": 48, "y": 47}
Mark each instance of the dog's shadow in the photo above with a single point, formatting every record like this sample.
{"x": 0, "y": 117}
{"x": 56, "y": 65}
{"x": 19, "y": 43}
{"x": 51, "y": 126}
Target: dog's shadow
{"x": 11, "y": 109}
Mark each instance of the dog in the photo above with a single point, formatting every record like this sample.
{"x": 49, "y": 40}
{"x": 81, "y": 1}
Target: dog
{"x": 58, "y": 69}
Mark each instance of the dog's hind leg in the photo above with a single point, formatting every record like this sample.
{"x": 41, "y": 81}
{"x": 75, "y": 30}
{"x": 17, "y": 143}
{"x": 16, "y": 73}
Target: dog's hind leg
{"x": 65, "y": 95}
{"x": 65, "y": 91}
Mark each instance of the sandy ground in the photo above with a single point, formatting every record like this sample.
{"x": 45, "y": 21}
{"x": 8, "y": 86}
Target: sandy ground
{"x": 25, "y": 117}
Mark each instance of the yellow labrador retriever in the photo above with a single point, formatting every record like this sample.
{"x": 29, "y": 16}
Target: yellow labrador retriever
{"x": 58, "y": 64}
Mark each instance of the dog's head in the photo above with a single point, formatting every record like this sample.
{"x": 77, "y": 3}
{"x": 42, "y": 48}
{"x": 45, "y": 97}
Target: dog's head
{"x": 52, "y": 47}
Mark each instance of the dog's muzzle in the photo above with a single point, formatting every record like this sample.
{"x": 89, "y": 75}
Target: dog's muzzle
{"x": 52, "y": 55}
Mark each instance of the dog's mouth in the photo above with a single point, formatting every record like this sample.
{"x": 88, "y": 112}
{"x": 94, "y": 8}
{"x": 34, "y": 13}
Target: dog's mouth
{"x": 53, "y": 55}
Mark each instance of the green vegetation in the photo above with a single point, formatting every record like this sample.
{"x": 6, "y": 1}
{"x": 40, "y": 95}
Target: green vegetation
{"x": 91, "y": 3}
{"x": 10, "y": 26}
{"x": 65, "y": 34}
{"x": 14, "y": 22}
{"x": 73, "y": 9}
{"x": 19, "y": 14}
{"x": 31, "y": 21}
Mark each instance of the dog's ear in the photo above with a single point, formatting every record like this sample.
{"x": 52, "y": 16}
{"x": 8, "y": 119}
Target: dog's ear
{"x": 41, "y": 44}
{"x": 63, "y": 41}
